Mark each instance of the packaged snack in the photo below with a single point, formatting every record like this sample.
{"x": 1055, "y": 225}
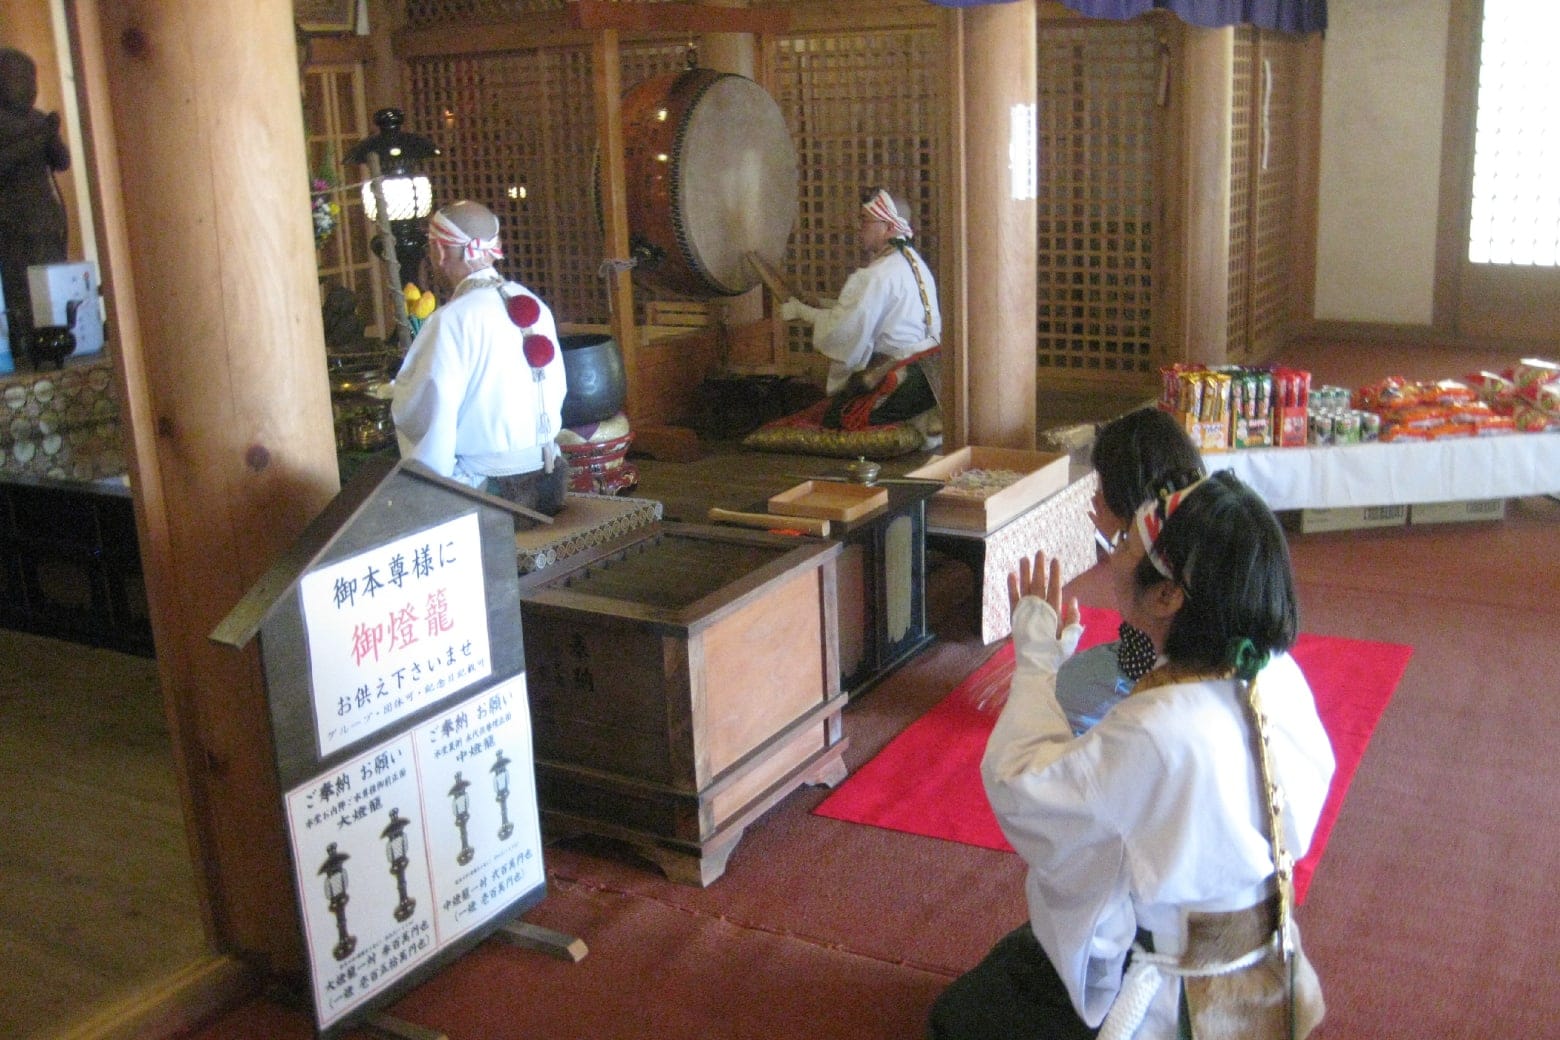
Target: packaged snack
{"x": 1535, "y": 370}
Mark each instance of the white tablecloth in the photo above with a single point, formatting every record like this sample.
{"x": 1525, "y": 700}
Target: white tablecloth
{"x": 1510, "y": 466}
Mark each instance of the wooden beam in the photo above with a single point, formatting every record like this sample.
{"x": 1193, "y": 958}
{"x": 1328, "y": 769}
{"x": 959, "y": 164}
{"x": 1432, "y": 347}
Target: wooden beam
{"x": 607, "y": 80}
{"x": 676, "y": 17}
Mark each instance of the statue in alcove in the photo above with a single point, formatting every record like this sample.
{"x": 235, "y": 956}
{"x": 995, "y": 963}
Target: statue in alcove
{"x": 32, "y": 214}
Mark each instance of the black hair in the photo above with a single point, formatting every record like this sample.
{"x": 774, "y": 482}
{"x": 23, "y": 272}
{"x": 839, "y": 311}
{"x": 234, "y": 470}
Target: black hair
{"x": 1225, "y": 549}
{"x": 1135, "y": 453}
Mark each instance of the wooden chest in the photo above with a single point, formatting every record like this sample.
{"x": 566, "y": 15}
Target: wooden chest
{"x": 682, "y": 681}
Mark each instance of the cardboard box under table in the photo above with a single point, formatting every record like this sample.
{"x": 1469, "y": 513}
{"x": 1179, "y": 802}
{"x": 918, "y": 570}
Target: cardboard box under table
{"x": 683, "y": 680}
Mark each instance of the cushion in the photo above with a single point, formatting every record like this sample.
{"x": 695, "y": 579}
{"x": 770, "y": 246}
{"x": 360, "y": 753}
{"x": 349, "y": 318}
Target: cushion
{"x": 803, "y": 434}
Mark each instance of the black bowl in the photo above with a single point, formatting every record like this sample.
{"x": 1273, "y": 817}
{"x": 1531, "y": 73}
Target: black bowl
{"x": 597, "y": 384}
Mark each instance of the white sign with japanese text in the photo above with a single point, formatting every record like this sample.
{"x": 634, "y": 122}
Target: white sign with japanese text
{"x": 393, "y": 630}
{"x": 410, "y": 846}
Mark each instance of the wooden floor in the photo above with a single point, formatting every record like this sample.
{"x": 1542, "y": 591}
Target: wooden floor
{"x": 99, "y": 897}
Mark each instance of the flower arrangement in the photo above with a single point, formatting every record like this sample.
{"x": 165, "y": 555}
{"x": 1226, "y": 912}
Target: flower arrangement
{"x": 419, "y": 305}
{"x": 324, "y": 210}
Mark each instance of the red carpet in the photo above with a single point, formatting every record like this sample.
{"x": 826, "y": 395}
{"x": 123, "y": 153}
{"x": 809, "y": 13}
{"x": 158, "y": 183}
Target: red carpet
{"x": 927, "y": 780}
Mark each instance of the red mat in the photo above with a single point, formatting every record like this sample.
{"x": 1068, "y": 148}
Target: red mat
{"x": 927, "y": 780}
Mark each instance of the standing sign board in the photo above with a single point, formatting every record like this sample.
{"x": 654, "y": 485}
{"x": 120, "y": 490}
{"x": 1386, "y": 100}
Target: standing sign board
{"x": 395, "y": 674}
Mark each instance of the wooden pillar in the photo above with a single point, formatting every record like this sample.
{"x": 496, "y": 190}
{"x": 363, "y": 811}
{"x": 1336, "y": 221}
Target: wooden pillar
{"x": 1207, "y": 100}
{"x": 734, "y": 52}
{"x": 202, "y": 184}
{"x": 607, "y": 79}
{"x": 1000, "y": 294}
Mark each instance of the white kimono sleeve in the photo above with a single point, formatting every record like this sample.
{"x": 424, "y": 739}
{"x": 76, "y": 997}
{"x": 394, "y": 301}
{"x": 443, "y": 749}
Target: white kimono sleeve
{"x": 1064, "y": 811}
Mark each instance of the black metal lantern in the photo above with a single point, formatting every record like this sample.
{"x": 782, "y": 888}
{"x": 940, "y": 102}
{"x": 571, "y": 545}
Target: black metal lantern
{"x": 461, "y": 803}
{"x": 407, "y": 194}
{"x": 394, "y": 835}
{"x": 500, "y": 771}
{"x": 336, "y": 898}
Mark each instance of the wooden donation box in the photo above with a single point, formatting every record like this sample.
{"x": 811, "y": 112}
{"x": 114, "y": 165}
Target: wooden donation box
{"x": 683, "y": 680}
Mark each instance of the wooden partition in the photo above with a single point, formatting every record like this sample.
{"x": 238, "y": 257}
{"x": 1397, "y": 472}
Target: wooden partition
{"x": 1176, "y": 166}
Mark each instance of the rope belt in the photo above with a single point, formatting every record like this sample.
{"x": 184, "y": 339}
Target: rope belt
{"x": 1147, "y": 973}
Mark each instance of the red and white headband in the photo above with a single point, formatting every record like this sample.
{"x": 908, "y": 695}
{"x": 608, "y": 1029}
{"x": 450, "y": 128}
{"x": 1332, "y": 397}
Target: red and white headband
{"x": 444, "y": 231}
{"x": 881, "y": 207}
{"x": 1150, "y": 521}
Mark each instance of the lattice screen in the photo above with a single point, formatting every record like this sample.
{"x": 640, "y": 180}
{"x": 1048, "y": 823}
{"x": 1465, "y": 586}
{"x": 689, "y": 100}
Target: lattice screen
{"x": 518, "y": 134}
{"x": 334, "y": 121}
{"x": 864, "y": 109}
{"x": 425, "y": 13}
{"x": 1098, "y": 91}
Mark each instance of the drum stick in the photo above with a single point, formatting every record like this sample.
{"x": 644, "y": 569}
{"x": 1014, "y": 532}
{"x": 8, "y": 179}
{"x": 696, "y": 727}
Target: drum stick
{"x": 774, "y": 281}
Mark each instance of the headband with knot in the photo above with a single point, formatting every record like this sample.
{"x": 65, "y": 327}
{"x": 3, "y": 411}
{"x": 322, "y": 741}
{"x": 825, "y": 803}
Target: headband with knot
{"x": 1150, "y": 520}
{"x": 881, "y": 207}
{"x": 445, "y": 231}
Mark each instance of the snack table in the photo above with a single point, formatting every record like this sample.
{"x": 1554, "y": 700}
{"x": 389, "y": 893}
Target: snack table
{"x": 1061, "y": 525}
{"x": 1399, "y": 473}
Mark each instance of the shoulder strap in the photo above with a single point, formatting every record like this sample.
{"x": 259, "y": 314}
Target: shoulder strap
{"x": 920, "y": 283}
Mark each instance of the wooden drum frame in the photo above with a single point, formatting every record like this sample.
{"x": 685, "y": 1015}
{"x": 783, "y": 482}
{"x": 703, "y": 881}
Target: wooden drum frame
{"x": 710, "y": 175}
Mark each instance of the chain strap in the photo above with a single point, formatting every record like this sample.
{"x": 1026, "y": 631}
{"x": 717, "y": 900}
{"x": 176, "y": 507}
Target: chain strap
{"x": 920, "y": 283}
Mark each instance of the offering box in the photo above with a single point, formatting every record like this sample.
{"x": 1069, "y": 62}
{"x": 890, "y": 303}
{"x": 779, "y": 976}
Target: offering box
{"x": 1044, "y": 474}
{"x": 682, "y": 681}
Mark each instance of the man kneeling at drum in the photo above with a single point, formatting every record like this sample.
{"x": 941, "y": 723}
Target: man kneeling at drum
{"x": 480, "y": 394}
{"x": 882, "y": 334}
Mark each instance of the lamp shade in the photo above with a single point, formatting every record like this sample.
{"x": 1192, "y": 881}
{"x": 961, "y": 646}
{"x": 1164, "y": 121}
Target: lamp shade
{"x": 406, "y": 198}
{"x": 407, "y": 193}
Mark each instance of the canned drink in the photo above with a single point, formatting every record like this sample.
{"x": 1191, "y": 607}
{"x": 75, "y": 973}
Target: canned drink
{"x": 1370, "y": 426}
{"x": 1321, "y": 428}
{"x": 1346, "y": 427}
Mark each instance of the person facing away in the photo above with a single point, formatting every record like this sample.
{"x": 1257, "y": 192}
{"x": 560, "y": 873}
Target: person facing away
{"x": 1132, "y": 454}
{"x": 32, "y": 215}
{"x": 881, "y": 335}
{"x": 478, "y": 397}
{"x": 1159, "y": 865}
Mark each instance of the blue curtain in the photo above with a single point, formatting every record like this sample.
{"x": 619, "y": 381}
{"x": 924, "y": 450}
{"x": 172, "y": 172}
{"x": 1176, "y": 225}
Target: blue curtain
{"x": 1284, "y": 15}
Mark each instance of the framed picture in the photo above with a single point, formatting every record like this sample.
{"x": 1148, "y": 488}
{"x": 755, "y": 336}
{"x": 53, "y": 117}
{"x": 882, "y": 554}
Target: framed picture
{"x": 325, "y": 15}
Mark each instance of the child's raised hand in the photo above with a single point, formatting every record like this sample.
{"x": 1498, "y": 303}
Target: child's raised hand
{"x": 1043, "y": 579}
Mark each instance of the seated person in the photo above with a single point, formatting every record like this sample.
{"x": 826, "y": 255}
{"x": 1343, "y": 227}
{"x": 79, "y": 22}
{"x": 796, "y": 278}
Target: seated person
{"x": 881, "y": 335}
{"x": 470, "y": 400}
{"x": 1132, "y": 454}
{"x": 1160, "y": 844}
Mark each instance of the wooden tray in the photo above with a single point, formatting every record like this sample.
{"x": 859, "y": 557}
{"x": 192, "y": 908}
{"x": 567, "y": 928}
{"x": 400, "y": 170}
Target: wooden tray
{"x": 828, "y": 500}
{"x": 1044, "y": 474}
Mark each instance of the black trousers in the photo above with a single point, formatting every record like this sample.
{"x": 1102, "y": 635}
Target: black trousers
{"x": 1014, "y": 994}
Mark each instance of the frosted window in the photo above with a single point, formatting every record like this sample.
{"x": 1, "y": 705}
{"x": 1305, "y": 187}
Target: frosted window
{"x": 1515, "y": 215}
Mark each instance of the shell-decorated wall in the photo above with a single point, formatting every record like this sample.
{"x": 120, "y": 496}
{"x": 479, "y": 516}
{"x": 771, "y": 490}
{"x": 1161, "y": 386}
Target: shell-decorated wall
{"x": 62, "y": 424}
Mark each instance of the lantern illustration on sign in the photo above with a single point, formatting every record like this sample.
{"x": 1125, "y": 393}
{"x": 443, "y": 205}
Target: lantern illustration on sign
{"x": 462, "y": 805}
{"x": 336, "y": 899}
{"x": 500, "y": 773}
{"x": 395, "y": 851}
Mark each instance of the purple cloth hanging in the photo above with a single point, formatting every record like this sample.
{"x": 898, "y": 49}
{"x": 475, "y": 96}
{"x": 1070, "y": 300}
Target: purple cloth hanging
{"x": 1283, "y": 15}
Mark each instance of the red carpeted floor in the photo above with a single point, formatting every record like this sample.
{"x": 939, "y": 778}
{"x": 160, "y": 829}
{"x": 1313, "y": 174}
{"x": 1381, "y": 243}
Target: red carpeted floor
{"x": 927, "y": 780}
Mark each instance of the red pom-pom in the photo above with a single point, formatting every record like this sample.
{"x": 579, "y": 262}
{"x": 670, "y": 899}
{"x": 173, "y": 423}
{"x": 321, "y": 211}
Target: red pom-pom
{"x": 539, "y": 350}
{"x": 524, "y": 310}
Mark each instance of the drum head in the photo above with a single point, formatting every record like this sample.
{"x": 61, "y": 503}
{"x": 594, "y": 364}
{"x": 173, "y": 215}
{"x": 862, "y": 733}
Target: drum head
{"x": 738, "y": 186}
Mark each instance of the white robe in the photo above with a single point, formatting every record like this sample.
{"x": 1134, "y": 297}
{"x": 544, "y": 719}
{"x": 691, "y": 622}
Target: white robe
{"x": 879, "y": 312}
{"x": 466, "y": 401}
{"x": 1151, "y": 813}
